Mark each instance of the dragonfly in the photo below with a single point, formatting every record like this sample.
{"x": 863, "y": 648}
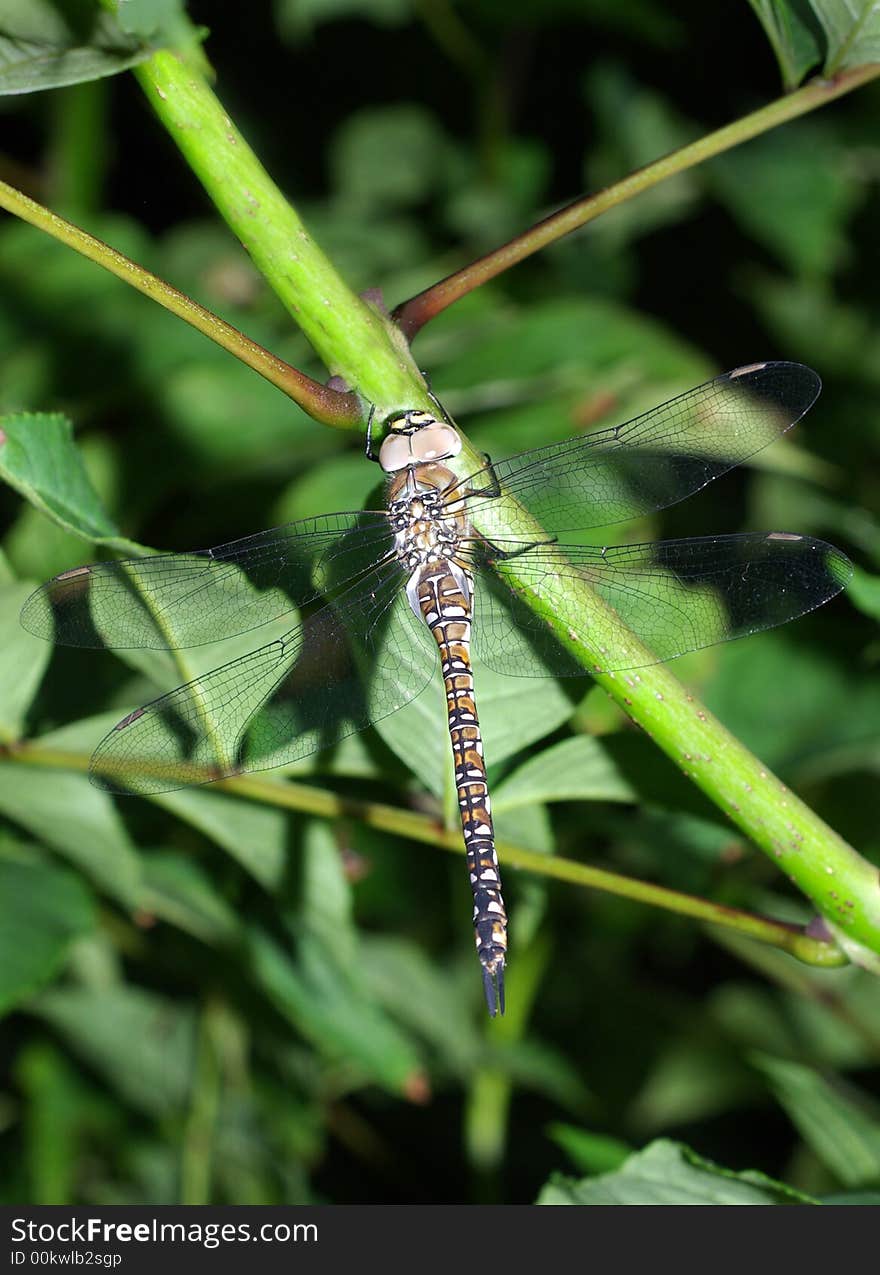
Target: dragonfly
{"x": 379, "y": 596}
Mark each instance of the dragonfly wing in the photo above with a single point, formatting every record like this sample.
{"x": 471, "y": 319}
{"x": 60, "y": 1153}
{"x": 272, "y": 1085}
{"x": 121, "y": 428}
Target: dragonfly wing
{"x": 510, "y": 638}
{"x": 649, "y": 463}
{"x": 674, "y": 596}
{"x": 178, "y": 600}
{"x": 352, "y": 662}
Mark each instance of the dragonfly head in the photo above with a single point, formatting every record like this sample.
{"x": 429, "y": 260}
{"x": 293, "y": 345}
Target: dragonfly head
{"x": 417, "y": 438}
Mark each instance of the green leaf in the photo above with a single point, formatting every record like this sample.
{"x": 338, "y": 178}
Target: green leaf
{"x": 42, "y": 909}
{"x": 78, "y": 821}
{"x": 332, "y": 1013}
{"x": 255, "y": 835}
{"x": 817, "y": 1017}
{"x": 586, "y": 347}
{"x": 39, "y": 459}
{"x": 864, "y": 592}
{"x": 852, "y": 28}
{"x": 426, "y": 997}
{"x": 145, "y": 18}
{"x": 840, "y": 1124}
{"x": 633, "y": 126}
{"x": 388, "y": 156}
{"x": 791, "y": 29}
{"x": 794, "y": 192}
{"x": 528, "y": 826}
{"x": 44, "y": 45}
{"x": 177, "y": 626}
{"x": 141, "y": 1043}
{"x": 177, "y": 890}
{"x": 206, "y": 398}
{"x": 60, "y": 1108}
{"x": 514, "y": 712}
{"x": 326, "y": 904}
{"x": 852, "y": 1197}
{"x": 576, "y": 769}
{"x": 298, "y": 17}
{"x": 692, "y": 1079}
{"x": 590, "y": 1152}
{"x": 670, "y": 1173}
{"x": 795, "y": 29}
{"x": 345, "y": 482}
{"x": 39, "y": 547}
{"x": 791, "y": 701}
{"x": 23, "y": 661}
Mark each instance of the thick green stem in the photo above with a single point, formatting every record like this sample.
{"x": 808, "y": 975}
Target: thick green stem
{"x": 404, "y": 823}
{"x": 355, "y": 341}
{"x": 413, "y": 314}
{"x": 323, "y": 404}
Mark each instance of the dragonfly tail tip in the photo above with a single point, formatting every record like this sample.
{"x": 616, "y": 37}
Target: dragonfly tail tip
{"x": 493, "y": 985}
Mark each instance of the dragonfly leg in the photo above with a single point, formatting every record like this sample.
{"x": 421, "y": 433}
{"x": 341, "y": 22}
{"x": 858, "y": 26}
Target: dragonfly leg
{"x": 493, "y": 488}
{"x": 444, "y": 415}
{"x": 505, "y": 555}
{"x": 369, "y": 447}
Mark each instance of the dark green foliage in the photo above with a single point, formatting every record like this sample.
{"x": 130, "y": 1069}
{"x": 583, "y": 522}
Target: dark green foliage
{"x": 209, "y": 998}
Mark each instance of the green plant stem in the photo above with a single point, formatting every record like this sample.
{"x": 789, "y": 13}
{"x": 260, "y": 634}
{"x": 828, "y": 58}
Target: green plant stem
{"x": 197, "y": 1145}
{"x": 354, "y": 339}
{"x": 491, "y": 1088}
{"x": 831, "y": 996}
{"x": 78, "y": 153}
{"x": 324, "y": 404}
{"x": 305, "y": 799}
{"x": 413, "y": 314}
{"x": 452, "y": 35}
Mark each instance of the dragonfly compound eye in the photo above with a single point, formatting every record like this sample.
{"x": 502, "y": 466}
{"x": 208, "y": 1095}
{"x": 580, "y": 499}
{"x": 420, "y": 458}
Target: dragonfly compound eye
{"x": 435, "y": 442}
{"x": 395, "y": 453}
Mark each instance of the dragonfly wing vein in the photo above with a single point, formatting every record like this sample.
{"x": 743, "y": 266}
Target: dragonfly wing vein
{"x": 675, "y": 596}
{"x": 351, "y": 662}
{"x": 648, "y": 463}
{"x": 175, "y": 601}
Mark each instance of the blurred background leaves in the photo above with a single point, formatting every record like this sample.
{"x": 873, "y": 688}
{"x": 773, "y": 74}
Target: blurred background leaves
{"x": 209, "y": 999}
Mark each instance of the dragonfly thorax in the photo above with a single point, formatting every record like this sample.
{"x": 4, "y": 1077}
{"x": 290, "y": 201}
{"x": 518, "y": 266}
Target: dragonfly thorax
{"x": 425, "y": 530}
{"x": 429, "y": 528}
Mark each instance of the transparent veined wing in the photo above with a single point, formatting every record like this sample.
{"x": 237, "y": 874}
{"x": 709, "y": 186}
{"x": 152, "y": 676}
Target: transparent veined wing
{"x": 675, "y": 596}
{"x": 650, "y": 462}
{"x": 350, "y": 663}
{"x": 177, "y": 600}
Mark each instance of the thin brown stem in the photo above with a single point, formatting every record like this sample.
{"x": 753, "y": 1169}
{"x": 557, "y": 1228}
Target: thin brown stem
{"x": 321, "y": 402}
{"x": 413, "y": 314}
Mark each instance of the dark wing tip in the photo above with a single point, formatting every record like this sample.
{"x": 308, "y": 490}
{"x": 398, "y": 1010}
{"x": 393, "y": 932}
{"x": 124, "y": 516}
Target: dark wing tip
{"x": 53, "y": 611}
{"x": 838, "y": 565}
{"x": 791, "y": 385}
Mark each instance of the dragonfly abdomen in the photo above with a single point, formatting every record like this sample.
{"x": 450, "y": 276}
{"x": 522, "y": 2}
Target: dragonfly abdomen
{"x": 446, "y": 608}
